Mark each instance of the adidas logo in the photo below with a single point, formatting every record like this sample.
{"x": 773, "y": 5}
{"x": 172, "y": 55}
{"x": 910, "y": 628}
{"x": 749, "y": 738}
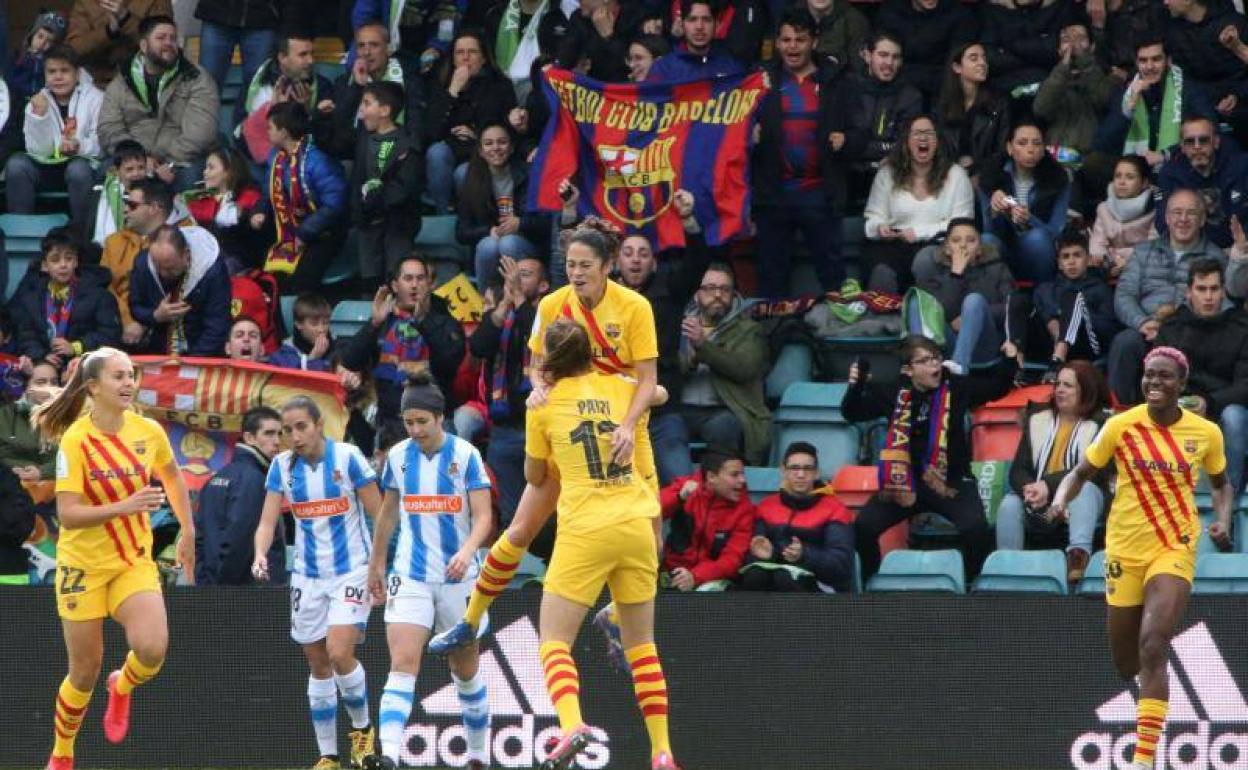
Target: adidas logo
{"x": 1206, "y": 727}
{"x": 524, "y": 720}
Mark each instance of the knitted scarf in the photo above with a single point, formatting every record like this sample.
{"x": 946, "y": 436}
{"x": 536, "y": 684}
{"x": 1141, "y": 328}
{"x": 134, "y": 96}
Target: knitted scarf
{"x": 403, "y": 348}
{"x": 500, "y": 404}
{"x": 1171, "y": 116}
{"x": 58, "y": 303}
{"x": 177, "y": 329}
{"x": 290, "y": 207}
{"x": 897, "y": 479}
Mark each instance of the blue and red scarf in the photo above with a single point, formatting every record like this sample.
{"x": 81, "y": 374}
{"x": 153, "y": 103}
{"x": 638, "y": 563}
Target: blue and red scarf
{"x": 290, "y": 207}
{"x": 896, "y": 472}
{"x": 402, "y": 343}
{"x": 500, "y": 404}
{"x": 56, "y": 310}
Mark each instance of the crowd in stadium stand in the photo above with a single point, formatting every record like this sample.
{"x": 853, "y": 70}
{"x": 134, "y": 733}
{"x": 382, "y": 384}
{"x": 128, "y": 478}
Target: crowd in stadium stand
{"x": 1063, "y": 180}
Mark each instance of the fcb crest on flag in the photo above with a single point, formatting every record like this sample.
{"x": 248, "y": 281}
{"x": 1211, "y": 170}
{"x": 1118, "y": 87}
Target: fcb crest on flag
{"x": 637, "y": 185}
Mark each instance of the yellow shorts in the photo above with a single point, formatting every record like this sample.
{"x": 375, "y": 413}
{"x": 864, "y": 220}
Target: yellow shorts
{"x": 83, "y": 594}
{"x": 624, "y": 557}
{"x": 1125, "y": 579}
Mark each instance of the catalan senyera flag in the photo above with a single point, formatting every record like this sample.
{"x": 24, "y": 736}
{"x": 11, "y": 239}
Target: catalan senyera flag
{"x": 201, "y": 402}
{"x": 630, "y": 146}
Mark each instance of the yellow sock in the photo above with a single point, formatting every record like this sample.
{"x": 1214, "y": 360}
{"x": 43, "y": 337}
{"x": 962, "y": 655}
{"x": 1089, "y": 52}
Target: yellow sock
{"x": 651, "y": 688}
{"x": 499, "y": 568}
{"x": 563, "y": 683}
{"x": 135, "y": 673}
{"x": 1150, "y": 720}
{"x": 71, "y": 707}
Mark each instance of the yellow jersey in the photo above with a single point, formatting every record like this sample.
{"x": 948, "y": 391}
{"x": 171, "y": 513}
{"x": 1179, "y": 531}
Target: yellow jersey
{"x": 1154, "y": 509}
{"x": 106, "y": 468}
{"x": 572, "y": 431}
{"x": 621, "y": 327}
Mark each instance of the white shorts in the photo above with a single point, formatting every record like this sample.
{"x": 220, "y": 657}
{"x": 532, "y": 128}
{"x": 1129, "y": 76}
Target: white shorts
{"x": 435, "y": 606}
{"x": 318, "y": 603}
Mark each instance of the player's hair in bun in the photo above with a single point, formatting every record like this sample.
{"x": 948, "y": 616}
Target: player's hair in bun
{"x": 423, "y": 394}
{"x": 601, "y": 236}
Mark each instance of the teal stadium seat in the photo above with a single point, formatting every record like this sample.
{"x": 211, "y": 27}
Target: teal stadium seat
{"x": 349, "y": 317}
{"x": 792, "y": 365}
{"x": 22, "y": 236}
{"x": 811, "y": 401}
{"x": 346, "y": 264}
{"x": 531, "y": 570}
{"x": 924, "y": 571}
{"x": 811, "y": 411}
{"x": 761, "y": 482}
{"x": 1028, "y": 572}
{"x": 1093, "y": 583}
{"x": 1221, "y": 573}
{"x": 288, "y": 312}
{"x": 436, "y": 240}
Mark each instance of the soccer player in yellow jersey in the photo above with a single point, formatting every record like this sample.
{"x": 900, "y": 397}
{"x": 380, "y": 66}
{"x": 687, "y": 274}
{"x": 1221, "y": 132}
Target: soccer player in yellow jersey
{"x": 608, "y": 535}
{"x": 1158, "y": 449}
{"x": 104, "y": 494}
{"x": 619, "y": 323}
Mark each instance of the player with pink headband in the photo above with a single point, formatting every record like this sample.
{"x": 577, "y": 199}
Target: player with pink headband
{"x": 1158, "y": 449}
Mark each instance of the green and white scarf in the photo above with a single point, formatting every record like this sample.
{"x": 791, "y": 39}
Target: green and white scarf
{"x": 139, "y": 81}
{"x": 515, "y": 49}
{"x": 1168, "y": 133}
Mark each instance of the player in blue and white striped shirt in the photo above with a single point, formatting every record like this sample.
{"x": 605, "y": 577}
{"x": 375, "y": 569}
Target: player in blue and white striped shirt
{"x": 438, "y": 493}
{"x": 330, "y": 487}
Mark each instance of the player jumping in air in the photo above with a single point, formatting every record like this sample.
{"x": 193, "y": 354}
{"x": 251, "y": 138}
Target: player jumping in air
{"x": 1158, "y": 449}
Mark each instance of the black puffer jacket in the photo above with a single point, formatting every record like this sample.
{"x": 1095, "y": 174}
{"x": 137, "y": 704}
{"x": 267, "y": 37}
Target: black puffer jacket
{"x": 93, "y": 317}
{"x": 981, "y": 133}
{"x": 1021, "y": 40}
{"x": 870, "y": 113}
{"x": 1195, "y": 48}
{"x": 927, "y": 37}
{"x": 246, "y": 14}
{"x": 488, "y": 98}
{"x": 1217, "y": 349}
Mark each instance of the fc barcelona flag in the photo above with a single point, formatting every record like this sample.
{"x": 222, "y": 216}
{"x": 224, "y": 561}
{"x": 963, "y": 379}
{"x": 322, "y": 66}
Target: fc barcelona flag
{"x": 201, "y": 403}
{"x": 628, "y": 147}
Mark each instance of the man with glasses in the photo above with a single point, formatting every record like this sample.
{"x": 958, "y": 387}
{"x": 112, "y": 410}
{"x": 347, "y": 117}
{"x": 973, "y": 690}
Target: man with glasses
{"x": 724, "y": 359}
{"x": 1154, "y": 285}
{"x": 1218, "y": 171}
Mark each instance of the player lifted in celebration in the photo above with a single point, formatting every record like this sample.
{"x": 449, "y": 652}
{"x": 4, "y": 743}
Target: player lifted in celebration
{"x": 1150, "y": 544}
{"x": 104, "y": 494}
{"x": 330, "y": 486}
{"x": 439, "y": 483}
{"x": 623, "y": 341}
{"x": 608, "y": 535}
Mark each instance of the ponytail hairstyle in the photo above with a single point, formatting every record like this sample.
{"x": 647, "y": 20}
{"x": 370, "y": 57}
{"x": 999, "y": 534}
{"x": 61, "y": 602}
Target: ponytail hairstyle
{"x": 567, "y": 350}
{"x": 53, "y": 417}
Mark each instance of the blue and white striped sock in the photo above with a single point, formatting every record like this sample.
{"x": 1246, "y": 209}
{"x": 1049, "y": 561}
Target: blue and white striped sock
{"x": 354, "y": 689}
{"x": 475, "y": 705}
{"x": 323, "y": 705}
{"x": 396, "y": 707}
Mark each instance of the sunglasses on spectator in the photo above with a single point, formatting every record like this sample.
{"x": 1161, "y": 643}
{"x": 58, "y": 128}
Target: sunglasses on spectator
{"x": 131, "y": 203}
{"x": 1199, "y": 141}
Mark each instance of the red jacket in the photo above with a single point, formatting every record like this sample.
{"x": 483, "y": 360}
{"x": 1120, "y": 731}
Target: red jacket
{"x": 719, "y": 535}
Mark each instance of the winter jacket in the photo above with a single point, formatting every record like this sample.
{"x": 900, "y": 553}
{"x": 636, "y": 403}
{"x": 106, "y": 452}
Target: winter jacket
{"x": 259, "y": 93}
{"x": 347, "y": 96}
{"x": 607, "y": 55}
{"x": 326, "y": 191}
{"x": 44, "y": 133}
{"x": 1051, "y": 296}
{"x": 824, "y": 526}
{"x": 927, "y": 37}
{"x": 981, "y": 134}
{"x": 871, "y": 113}
{"x": 444, "y": 340}
{"x": 183, "y": 125}
{"x": 767, "y": 160}
{"x": 485, "y": 344}
{"x": 476, "y": 217}
{"x": 102, "y": 52}
{"x": 226, "y": 516}
{"x": 1155, "y": 277}
{"x": 987, "y": 275}
{"x": 1225, "y": 190}
{"x": 681, "y": 64}
{"x": 1072, "y": 99}
{"x": 21, "y": 444}
{"x": 227, "y": 220}
{"x": 121, "y": 249}
{"x": 17, "y": 521}
{"x": 1134, "y": 20}
{"x": 840, "y": 36}
{"x": 398, "y": 195}
{"x": 1111, "y": 137}
{"x": 709, "y": 535}
{"x": 93, "y": 318}
{"x": 293, "y": 354}
{"x": 1112, "y": 237}
{"x": 243, "y": 14}
{"x": 1048, "y": 199}
{"x": 1039, "y": 423}
{"x": 206, "y": 287}
{"x": 488, "y": 98}
{"x": 1021, "y": 40}
{"x": 1195, "y": 48}
{"x": 1217, "y": 354}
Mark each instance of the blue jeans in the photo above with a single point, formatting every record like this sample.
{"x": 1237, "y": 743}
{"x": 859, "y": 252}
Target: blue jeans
{"x": 1234, "y": 424}
{"x": 25, "y": 176}
{"x": 1031, "y": 255}
{"x": 216, "y": 48}
{"x": 978, "y": 339}
{"x": 505, "y": 456}
{"x": 442, "y": 176}
{"x": 670, "y": 438}
{"x": 489, "y": 249}
{"x": 1013, "y": 523}
{"x": 821, "y": 231}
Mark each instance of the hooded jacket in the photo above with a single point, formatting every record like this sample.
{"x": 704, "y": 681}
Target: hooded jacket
{"x": 180, "y": 126}
{"x": 1021, "y": 39}
{"x": 1225, "y": 190}
{"x": 103, "y": 52}
{"x": 398, "y": 195}
{"x": 206, "y": 287}
{"x": 1154, "y": 277}
{"x": 987, "y": 274}
{"x": 1072, "y": 99}
{"x": 43, "y": 133}
{"x": 927, "y": 37}
{"x": 871, "y": 113}
{"x": 824, "y": 526}
{"x": 226, "y": 516}
{"x": 710, "y": 535}
{"x": 93, "y": 318}
{"x": 1217, "y": 354}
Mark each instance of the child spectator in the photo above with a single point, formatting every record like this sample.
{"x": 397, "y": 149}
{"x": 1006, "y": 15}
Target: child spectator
{"x": 26, "y": 77}
{"x": 21, "y": 447}
{"x": 1125, "y": 218}
{"x": 1076, "y": 310}
{"x": 310, "y": 346}
{"x": 224, "y": 208}
{"x": 711, "y": 521}
{"x": 385, "y": 190}
{"x": 492, "y": 204}
{"x": 129, "y": 166}
{"x": 61, "y": 139}
{"x": 61, "y": 309}
{"x": 245, "y": 342}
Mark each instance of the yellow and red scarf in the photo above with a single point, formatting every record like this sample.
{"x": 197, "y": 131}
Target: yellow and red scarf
{"x": 896, "y": 472}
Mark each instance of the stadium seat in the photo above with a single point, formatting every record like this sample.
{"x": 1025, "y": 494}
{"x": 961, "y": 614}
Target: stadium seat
{"x": 1221, "y": 573}
{"x": 532, "y": 570}
{"x": 1093, "y": 583}
{"x": 995, "y": 440}
{"x": 24, "y": 232}
{"x": 837, "y": 444}
{"x": 819, "y": 398}
{"x": 346, "y": 264}
{"x": 436, "y": 239}
{"x": 761, "y": 482}
{"x": 931, "y": 571}
{"x": 792, "y": 365}
{"x": 288, "y": 312}
{"x": 1030, "y": 572}
{"x": 349, "y": 316}
{"x": 854, "y": 484}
